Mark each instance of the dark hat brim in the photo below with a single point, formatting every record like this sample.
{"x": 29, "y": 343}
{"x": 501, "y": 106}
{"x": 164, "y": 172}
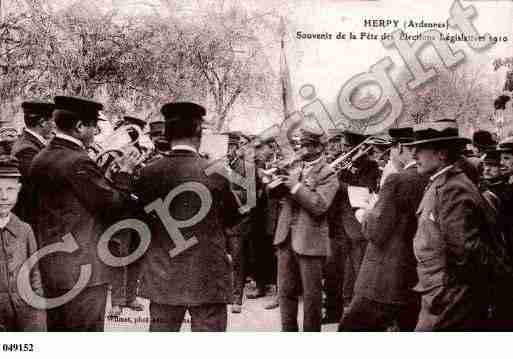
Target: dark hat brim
{"x": 453, "y": 139}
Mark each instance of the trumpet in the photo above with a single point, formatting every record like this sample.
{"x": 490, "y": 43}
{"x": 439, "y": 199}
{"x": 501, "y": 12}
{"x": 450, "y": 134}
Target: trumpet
{"x": 120, "y": 152}
{"x": 347, "y": 160}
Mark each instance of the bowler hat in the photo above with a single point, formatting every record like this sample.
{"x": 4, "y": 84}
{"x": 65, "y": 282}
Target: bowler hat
{"x": 82, "y": 107}
{"x": 439, "y": 131}
{"x": 9, "y": 166}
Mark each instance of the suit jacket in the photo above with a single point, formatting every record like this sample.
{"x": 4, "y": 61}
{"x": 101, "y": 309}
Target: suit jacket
{"x": 451, "y": 216}
{"x": 388, "y": 271}
{"x": 202, "y": 273}
{"x": 72, "y": 197}
{"x": 304, "y": 213}
{"x": 17, "y": 244}
{"x": 26, "y": 147}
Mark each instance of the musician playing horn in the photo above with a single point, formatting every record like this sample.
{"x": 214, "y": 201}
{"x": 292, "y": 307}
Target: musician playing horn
{"x": 73, "y": 195}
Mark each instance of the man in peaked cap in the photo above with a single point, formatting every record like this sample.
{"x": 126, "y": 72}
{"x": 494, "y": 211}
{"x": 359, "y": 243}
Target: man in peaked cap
{"x": 383, "y": 290}
{"x": 452, "y": 219}
{"x": 74, "y": 198}
{"x": 187, "y": 268}
{"x": 39, "y": 129}
{"x": 130, "y": 120}
{"x": 301, "y": 234}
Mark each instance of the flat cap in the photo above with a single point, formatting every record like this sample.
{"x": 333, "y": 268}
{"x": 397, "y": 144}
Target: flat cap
{"x": 174, "y": 111}
{"x": 41, "y": 108}
{"x": 83, "y": 107}
{"x": 9, "y": 166}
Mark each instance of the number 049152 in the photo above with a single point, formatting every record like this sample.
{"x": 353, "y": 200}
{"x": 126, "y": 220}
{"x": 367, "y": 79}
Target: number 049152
{"x": 18, "y": 347}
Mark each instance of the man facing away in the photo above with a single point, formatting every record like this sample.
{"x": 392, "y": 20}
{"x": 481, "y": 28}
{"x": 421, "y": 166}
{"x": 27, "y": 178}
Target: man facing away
{"x": 186, "y": 267}
{"x": 74, "y": 198}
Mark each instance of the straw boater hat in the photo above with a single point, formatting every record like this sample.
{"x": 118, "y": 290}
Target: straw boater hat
{"x": 436, "y": 132}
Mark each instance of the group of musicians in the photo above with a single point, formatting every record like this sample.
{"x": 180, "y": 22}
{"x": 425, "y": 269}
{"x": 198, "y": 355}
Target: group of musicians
{"x": 405, "y": 261}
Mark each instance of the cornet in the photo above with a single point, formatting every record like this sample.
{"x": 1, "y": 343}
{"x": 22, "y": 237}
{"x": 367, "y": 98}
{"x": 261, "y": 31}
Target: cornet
{"x": 122, "y": 151}
{"x": 348, "y": 159}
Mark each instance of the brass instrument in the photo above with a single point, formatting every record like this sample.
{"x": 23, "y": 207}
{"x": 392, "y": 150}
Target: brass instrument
{"x": 122, "y": 151}
{"x": 347, "y": 160}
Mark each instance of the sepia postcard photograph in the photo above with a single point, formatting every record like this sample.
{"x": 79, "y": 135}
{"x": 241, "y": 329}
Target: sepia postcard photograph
{"x": 255, "y": 167}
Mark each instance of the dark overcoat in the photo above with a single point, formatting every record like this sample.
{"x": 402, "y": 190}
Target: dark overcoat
{"x": 202, "y": 273}
{"x": 26, "y": 147}
{"x": 388, "y": 272}
{"x": 73, "y": 197}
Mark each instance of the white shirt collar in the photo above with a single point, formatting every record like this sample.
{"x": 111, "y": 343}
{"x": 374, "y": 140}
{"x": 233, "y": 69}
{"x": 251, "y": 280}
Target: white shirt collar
{"x": 69, "y": 138}
{"x": 5, "y": 220}
{"x": 441, "y": 172}
{"x": 410, "y": 164}
{"x": 184, "y": 148}
{"x": 37, "y": 135}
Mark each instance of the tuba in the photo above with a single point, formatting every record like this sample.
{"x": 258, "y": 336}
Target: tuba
{"x": 122, "y": 151}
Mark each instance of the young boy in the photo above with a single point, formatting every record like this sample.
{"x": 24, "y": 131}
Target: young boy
{"x": 17, "y": 244}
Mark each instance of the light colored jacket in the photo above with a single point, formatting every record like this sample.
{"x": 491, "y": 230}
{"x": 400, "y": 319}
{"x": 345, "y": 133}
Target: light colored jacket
{"x": 304, "y": 213}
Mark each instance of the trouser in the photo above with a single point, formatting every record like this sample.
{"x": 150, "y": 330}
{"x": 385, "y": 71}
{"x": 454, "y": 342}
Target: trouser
{"x": 85, "y": 312}
{"x": 264, "y": 260}
{"x": 22, "y": 318}
{"x": 125, "y": 283}
{"x": 296, "y": 272}
{"x": 238, "y": 250}
{"x": 369, "y": 315}
{"x": 453, "y": 307}
{"x": 334, "y": 271}
{"x": 352, "y": 268}
{"x": 211, "y": 317}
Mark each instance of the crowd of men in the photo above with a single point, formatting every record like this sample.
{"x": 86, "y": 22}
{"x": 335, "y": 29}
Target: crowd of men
{"x": 430, "y": 251}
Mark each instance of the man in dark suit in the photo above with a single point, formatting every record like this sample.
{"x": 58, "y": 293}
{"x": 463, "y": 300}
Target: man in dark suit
{"x": 363, "y": 173}
{"x": 383, "y": 291}
{"x": 186, "y": 267}
{"x": 39, "y": 129}
{"x": 453, "y": 221}
{"x": 73, "y": 197}
{"x": 301, "y": 234}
